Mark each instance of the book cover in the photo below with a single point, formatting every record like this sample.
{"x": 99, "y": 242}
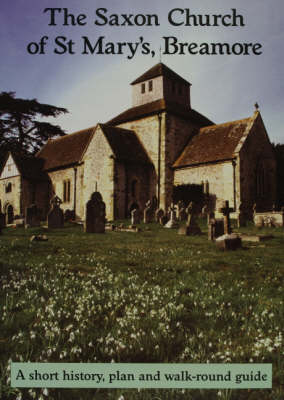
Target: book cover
{"x": 174, "y": 137}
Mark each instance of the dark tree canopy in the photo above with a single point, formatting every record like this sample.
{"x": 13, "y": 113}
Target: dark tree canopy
{"x": 279, "y": 154}
{"x": 20, "y": 127}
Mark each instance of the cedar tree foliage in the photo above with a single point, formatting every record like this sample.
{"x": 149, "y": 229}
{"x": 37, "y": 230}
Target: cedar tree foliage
{"x": 20, "y": 128}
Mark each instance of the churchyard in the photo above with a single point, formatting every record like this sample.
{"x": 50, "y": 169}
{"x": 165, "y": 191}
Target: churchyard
{"x": 142, "y": 295}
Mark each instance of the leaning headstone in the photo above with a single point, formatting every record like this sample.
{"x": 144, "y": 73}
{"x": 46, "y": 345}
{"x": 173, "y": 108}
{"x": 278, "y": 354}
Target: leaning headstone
{"x": 95, "y": 214}
{"x": 172, "y": 223}
{"x": 32, "y": 217}
{"x": 135, "y": 217}
{"x": 55, "y": 217}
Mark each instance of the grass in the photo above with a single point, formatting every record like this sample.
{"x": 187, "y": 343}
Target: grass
{"x": 152, "y": 296}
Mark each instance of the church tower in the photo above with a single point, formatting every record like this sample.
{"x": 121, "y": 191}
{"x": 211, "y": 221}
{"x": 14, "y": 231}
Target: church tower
{"x": 162, "y": 119}
{"x": 158, "y": 83}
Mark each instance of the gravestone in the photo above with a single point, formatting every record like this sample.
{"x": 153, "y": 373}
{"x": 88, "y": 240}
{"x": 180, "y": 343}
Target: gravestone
{"x": 163, "y": 220}
{"x": 191, "y": 228}
{"x": 32, "y": 217}
{"x": 148, "y": 212}
{"x": 135, "y": 217}
{"x": 172, "y": 223}
{"x": 158, "y": 215}
{"x": 95, "y": 214}
{"x": 215, "y": 228}
{"x": 226, "y": 210}
{"x": 181, "y": 212}
{"x": 55, "y": 217}
{"x": 228, "y": 241}
{"x": 242, "y": 220}
{"x": 210, "y": 216}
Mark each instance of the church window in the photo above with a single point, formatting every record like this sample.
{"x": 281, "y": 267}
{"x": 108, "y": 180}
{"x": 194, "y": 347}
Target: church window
{"x": 8, "y": 187}
{"x": 150, "y": 86}
{"x": 66, "y": 191}
{"x": 143, "y": 88}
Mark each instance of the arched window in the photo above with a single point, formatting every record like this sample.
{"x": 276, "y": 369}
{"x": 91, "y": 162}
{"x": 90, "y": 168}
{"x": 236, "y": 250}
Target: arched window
{"x": 8, "y": 187}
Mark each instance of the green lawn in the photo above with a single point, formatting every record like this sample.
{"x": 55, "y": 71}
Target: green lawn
{"x": 152, "y": 296}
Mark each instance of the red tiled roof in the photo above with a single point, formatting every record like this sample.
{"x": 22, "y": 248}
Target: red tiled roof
{"x": 213, "y": 143}
{"x": 66, "y": 150}
{"x": 159, "y": 70}
{"x": 156, "y": 107}
{"x": 125, "y": 144}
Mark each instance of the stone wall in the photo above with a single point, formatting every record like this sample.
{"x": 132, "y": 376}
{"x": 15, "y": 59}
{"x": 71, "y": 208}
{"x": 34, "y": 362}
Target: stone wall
{"x": 147, "y": 129}
{"x": 99, "y": 172}
{"x": 220, "y": 178}
{"x": 57, "y": 187}
{"x": 13, "y": 197}
{"x": 255, "y": 150}
{"x": 174, "y": 134}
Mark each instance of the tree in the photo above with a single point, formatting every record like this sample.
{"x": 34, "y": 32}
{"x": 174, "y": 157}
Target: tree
{"x": 279, "y": 154}
{"x": 20, "y": 128}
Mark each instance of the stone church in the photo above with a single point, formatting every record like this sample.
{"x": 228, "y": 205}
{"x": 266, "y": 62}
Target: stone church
{"x": 157, "y": 144}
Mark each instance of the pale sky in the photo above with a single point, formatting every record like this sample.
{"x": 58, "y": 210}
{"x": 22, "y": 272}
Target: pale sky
{"x": 95, "y": 88}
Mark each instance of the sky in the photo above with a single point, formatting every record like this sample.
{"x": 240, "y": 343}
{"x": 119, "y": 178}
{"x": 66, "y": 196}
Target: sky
{"x": 96, "y": 87}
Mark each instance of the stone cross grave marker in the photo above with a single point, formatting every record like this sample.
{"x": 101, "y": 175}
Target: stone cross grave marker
{"x": 95, "y": 214}
{"x": 55, "y": 217}
{"x": 32, "y": 218}
{"x": 226, "y": 210}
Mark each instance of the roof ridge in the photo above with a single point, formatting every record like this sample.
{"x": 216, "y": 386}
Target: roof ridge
{"x": 73, "y": 133}
{"x": 237, "y": 121}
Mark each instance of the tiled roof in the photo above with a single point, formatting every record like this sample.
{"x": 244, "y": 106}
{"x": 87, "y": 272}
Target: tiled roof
{"x": 156, "y": 107}
{"x": 66, "y": 150}
{"x": 213, "y": 143}
{"x": 125, "y": 144}
{"x": 159, "y": 70}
